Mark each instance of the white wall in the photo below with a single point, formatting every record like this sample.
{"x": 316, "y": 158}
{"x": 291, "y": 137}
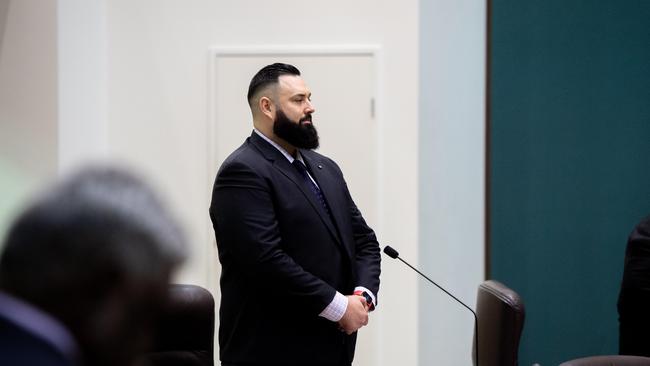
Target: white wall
{"x": 83, "y": 82}
{"x": 452, "y": 174}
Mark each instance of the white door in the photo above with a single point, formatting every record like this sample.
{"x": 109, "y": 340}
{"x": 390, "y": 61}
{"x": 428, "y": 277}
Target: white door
{"x": 343, "y": 89}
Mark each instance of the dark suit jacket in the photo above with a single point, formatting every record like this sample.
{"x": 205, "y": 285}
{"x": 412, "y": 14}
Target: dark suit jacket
{"x": 22, "y": 346}
{"x": 634, "y": 298}
{"x": 283, "y": 257}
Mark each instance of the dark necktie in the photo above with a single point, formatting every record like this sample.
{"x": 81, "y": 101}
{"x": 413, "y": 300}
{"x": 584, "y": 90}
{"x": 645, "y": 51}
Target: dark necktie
{"x": 305, "y": 175}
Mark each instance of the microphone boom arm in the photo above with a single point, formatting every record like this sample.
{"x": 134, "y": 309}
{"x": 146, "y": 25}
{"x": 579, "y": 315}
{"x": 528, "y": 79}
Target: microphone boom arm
{"x": 394, "y": 254}
{"x": 438, "y": 286}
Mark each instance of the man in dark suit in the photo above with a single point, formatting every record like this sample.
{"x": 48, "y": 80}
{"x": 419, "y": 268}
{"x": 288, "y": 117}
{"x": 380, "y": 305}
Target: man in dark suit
{"x": 634, "y": 298}
{"x": 300, "y": 267}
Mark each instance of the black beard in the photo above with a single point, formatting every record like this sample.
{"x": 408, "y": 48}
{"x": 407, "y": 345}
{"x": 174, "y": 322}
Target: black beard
{"x": 300, "y": 135}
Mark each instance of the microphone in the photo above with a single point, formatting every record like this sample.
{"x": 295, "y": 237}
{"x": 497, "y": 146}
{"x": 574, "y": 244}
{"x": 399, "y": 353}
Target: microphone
{"x": 389, "y": 251}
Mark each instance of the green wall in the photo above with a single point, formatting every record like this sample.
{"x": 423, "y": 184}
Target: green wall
{"x": 569, "y": 163}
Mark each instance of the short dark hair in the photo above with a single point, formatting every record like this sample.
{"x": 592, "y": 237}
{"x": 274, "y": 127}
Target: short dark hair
{"x": 269, "y": 75}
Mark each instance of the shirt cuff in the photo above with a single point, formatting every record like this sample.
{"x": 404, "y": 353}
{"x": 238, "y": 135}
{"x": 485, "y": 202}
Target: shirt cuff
{"x": 372, "y": 296}
{"x": 335, "y": 310}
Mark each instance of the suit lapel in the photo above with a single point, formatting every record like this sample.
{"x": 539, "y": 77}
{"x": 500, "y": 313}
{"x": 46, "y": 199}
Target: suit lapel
{"x": 281, "y": 163}
{"x": 329, "y": 186}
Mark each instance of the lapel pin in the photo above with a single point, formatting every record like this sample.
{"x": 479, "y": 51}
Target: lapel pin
{"x": 320, "y": 166}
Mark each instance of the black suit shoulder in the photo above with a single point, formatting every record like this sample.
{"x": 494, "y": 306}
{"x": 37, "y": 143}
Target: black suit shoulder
{"x": 634, "y": 297}
{"x": 245, "y": 167}
{"x": 636, "y": 272}
{"x": 246, "y": 155}
{"x": 641, "y": 232}
{"x": 19, "y": 347}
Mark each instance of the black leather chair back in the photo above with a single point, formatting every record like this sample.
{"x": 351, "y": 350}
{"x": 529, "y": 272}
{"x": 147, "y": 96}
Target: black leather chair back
{"x": 185, "y": 333}
{"x": 501, "y": 314}
{"x": 613, "y": 360}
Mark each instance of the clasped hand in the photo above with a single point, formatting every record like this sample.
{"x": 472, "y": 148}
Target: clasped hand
{"x": 356, "y": 314}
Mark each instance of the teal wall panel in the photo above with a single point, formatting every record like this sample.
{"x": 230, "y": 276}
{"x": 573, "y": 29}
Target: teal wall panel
{"x": 569, "y": 166}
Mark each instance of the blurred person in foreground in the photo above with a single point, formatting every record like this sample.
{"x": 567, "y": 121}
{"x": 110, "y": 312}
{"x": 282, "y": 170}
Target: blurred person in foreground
{"x": 300, "y": 266}
{"x": 84, "y": 272}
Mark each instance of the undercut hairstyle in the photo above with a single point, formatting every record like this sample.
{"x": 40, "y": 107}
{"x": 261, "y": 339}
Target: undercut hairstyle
{"x": 268, "y": 75}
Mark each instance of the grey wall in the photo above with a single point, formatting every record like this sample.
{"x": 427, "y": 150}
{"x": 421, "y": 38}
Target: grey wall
{"x": 452, "y": 174}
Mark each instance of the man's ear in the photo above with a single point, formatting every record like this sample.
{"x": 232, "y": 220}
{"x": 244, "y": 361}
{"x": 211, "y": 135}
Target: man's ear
{"x": 267, "y": 107}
